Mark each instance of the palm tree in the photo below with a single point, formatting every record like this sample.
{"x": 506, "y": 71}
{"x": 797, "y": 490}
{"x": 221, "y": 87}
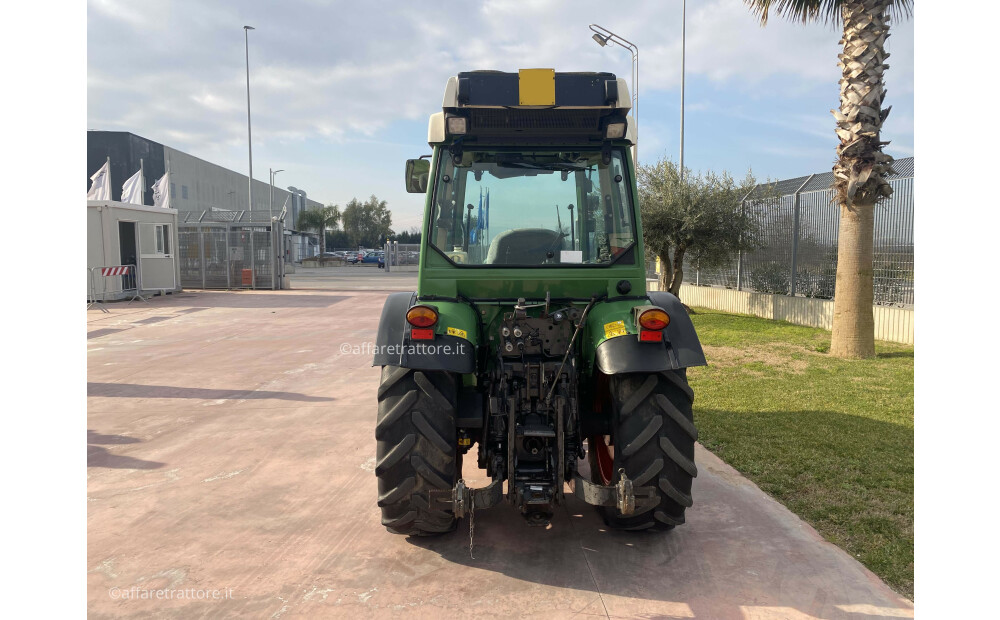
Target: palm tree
{"x": 320, "y": 220}
{"x": 861, "y": 166}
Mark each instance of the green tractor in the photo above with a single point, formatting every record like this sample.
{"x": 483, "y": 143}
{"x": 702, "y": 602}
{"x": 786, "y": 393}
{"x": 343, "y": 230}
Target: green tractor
{"x": 531, "y": 335}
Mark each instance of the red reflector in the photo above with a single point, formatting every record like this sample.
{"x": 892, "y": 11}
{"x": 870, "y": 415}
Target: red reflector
{"x": 422, "y": 334}
{"x": 650, "y": 336}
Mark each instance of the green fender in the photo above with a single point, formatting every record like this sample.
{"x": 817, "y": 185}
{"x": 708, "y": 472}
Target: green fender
{"x": 455, "y": 337}
{"x": 612, "y": 352}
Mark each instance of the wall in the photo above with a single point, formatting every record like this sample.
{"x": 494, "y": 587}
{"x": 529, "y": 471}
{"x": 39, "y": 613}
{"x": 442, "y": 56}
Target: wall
{"x": 891, "y": 324}
{"x": 209, "y": 185}
{"x": 125, "y": 150}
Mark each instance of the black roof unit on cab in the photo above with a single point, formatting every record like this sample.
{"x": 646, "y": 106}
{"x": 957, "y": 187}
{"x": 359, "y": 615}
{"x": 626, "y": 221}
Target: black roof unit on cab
{"x": 532, "y": 105}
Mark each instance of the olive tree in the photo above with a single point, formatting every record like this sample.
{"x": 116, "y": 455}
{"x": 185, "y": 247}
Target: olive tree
{"x": 700, "y": 216}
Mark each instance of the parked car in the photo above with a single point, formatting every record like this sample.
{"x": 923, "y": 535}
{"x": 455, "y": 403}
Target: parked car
{"x": 373, "y": 257}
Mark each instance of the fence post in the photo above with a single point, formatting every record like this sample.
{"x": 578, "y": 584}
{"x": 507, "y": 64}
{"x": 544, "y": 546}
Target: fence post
{"x": 739, "y": 252}
{"x": 229, "y": 264}
{"x": 92, "y": 293}
{"x": 795, "y": 237}
{"x": 253, "y": 257}
{"x": 270, "y": 250}
{"x": 201, "y": 254}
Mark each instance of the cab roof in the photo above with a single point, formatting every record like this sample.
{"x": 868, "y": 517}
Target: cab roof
{"x": 532, "y": 105}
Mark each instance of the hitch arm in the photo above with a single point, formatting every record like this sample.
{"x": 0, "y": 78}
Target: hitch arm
{"x": 623, "y": 494}
{"x": 463, "y": 500}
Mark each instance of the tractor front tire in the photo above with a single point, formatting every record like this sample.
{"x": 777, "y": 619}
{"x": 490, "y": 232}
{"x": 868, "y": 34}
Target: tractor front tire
{"x": 654, "y": 443}
{"x": 416, "y": 452}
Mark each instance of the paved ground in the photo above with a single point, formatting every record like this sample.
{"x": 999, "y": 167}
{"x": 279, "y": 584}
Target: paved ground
{"x": 231, "y": 448}
{"x": 352, "y": 278}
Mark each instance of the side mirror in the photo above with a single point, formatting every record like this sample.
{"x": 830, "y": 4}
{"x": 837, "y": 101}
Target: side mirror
{"x": 417, "y": 172}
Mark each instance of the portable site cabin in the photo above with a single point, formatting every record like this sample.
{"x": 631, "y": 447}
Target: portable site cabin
{"x": 119, "y": 234}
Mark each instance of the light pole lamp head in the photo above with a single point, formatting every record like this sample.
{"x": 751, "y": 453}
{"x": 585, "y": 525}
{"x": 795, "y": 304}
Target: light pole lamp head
{"x": 248, "y": 28}
{"x": 602, "y": 41}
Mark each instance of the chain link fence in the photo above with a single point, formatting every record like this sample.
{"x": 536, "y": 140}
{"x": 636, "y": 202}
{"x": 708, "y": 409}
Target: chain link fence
{"x": 230, "y": 249}
{"x": 799, "y": 256}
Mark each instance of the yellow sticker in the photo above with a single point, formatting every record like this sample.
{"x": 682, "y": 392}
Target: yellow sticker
{"x": 536, "y": 86}
{"x": 461, "y": 333}
{"x": 615, "y": 328}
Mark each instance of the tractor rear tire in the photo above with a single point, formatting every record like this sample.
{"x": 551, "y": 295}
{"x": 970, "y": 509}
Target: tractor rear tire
{"x": 416, "y": 451}
{"x": 654, "y": 443}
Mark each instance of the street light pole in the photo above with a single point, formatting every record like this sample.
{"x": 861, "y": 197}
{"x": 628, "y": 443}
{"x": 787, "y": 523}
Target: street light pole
{"x": 603, "y": 36}
{"x": 270, "y": 198}
{"x": 270, "y": 218}
{"x": 253, "y": 256}
{"x": 246, "y": 40}
{"x": 683, "y": 45}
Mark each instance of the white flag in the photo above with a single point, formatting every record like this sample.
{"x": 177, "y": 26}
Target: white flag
{"x": 132, "y": 190}
{"x": 100, "y": 186}
{"x": 161, "y": 192}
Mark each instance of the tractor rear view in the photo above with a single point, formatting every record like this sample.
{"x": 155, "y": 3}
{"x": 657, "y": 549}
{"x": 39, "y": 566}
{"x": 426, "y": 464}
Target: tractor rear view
{"x": 531, "y": 343}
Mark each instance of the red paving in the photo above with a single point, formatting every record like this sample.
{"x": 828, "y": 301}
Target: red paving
{"x": 231, "y": 449}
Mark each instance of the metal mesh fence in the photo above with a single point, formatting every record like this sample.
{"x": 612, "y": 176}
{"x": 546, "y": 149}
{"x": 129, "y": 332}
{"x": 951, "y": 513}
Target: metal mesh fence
{"x": 230, "y": 250}
{"x": 801, "y": 237}
{"x": 402, "y": 254}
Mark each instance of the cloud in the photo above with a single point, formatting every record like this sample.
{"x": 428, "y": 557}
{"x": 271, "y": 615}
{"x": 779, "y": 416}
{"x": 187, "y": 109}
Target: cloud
{"x": 317, "y": 68}
{"x": 352, "y": 73}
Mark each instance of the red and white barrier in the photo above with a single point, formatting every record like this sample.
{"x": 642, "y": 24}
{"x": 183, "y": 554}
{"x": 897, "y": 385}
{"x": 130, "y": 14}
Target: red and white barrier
{"x": 129, "y": 283}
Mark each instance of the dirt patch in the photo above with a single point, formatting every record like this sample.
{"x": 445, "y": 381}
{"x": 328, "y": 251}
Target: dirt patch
{"x": 775, "y": 355}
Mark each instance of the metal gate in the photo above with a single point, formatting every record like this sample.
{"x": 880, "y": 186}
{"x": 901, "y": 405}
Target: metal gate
{"x": 231, "y": 249}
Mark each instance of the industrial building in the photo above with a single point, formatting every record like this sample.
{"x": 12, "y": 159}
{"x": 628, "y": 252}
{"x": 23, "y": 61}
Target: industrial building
{"x": 195, "y": 184}
{"x": 216, "y": 240}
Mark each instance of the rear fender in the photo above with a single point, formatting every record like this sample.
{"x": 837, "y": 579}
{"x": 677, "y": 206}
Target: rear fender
{"x": 614, "y": 353}
{"x": 452, "y": 349}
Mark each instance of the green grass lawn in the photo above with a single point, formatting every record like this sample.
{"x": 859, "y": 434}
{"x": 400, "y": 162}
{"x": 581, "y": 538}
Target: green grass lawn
{"x": 831, "y": 439}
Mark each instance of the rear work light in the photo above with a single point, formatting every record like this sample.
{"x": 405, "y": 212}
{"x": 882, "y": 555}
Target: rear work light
{"x": 654, "y": 319}
{"x": 457, "y": 125}
{"x": 614, "y": 131}
{"x": 421, "y": 316}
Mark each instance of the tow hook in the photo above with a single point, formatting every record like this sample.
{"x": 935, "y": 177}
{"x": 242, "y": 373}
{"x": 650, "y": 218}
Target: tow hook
{"x": 463, "y": 499}
{"x": 626, "y": 496}
{"x": 623, "y": 494}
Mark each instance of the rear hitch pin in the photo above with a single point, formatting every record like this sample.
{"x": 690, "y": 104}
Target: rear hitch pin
{"x": 626, "y": 494}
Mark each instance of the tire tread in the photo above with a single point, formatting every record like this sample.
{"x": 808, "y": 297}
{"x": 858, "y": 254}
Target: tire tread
{"x": 417, "y": 449}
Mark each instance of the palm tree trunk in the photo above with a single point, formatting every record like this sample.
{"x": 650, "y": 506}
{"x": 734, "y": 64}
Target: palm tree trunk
{"x": 853, "y": 320}
{"x": 859, "y": 174}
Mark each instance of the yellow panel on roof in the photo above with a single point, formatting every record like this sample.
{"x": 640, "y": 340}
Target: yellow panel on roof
{"x": 537, "y": 86}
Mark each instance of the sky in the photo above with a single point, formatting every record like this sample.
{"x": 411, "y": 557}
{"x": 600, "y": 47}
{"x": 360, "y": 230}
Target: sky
{"x": 341, "y": 91}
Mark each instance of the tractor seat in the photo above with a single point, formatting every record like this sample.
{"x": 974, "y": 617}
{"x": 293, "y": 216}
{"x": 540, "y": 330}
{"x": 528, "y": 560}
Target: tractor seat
{"x": 523, "y": 246}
